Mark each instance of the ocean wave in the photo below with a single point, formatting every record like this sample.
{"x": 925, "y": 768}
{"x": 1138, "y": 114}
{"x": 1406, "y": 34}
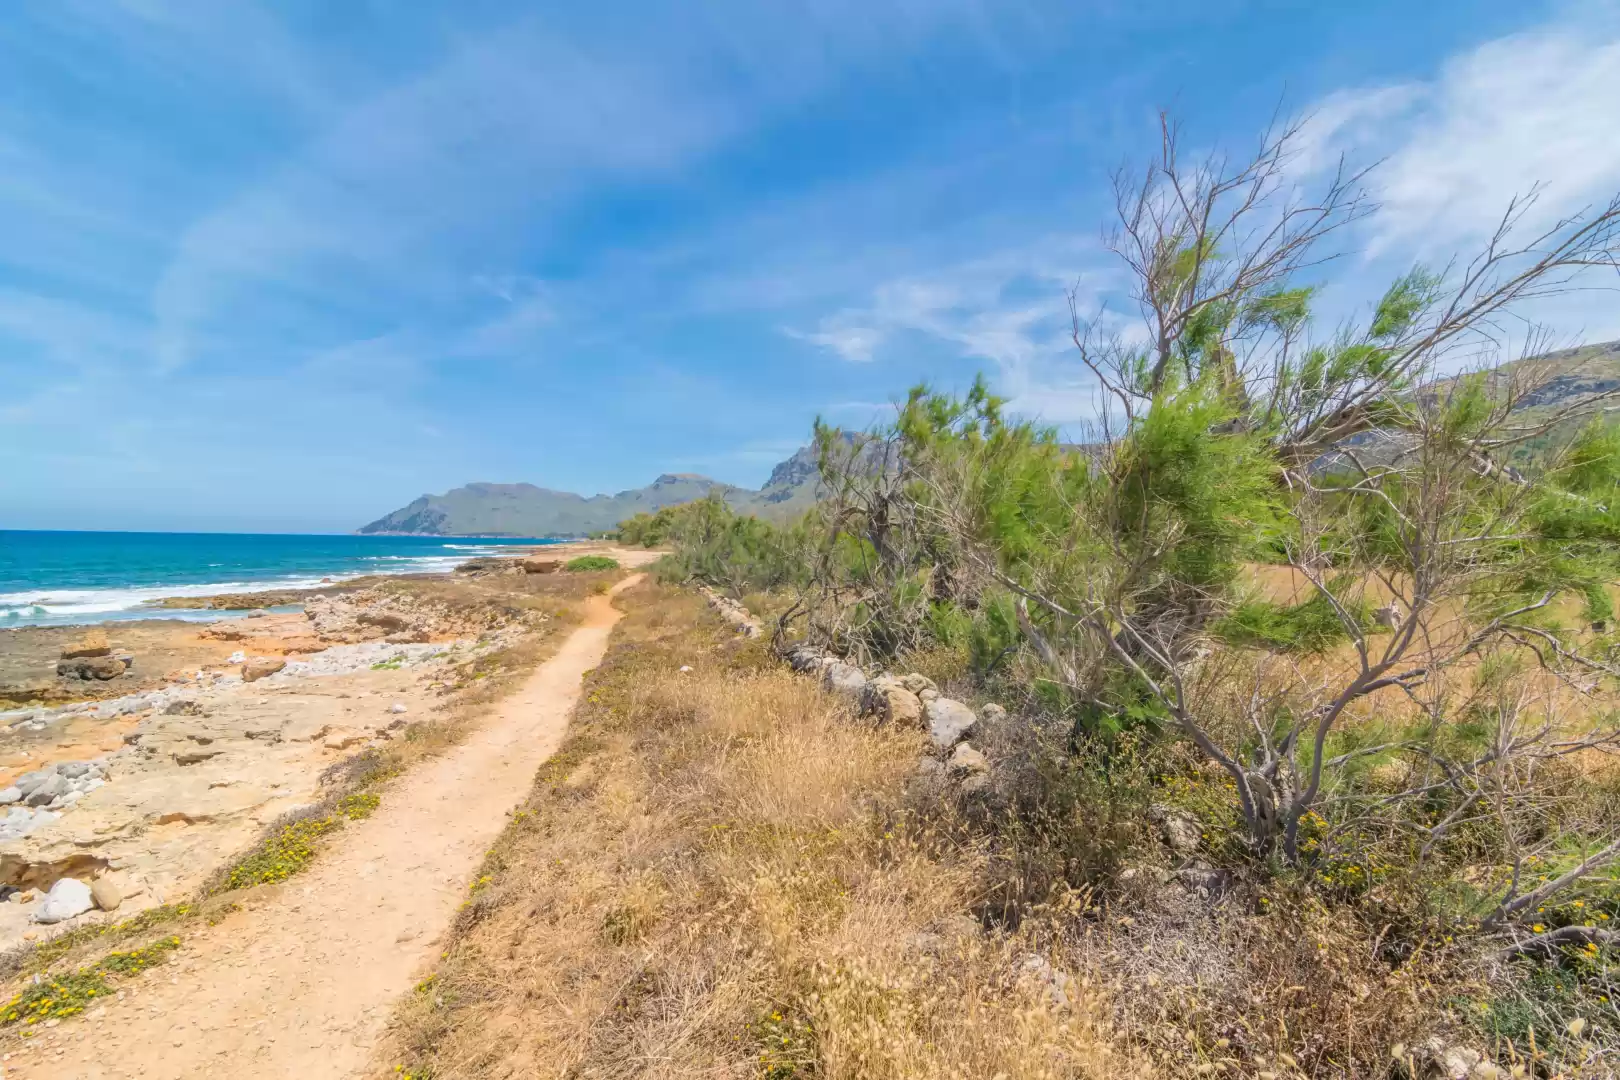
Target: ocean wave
{"x": 58, "y": 606}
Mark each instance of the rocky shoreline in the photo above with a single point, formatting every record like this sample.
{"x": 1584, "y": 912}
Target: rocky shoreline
{"x": 131, "y": 800}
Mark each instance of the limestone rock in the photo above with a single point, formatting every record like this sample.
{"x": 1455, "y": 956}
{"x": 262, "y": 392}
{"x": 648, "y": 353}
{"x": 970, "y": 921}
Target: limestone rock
{"x": 382, "y": 619}
{"x": 949, "y": 722}
{"x": 260, "y": 666}
{"x": 10, "y": 795}
{"x": 482, "y": 566}
{"x": 90, "y": 643}
{"x": 414, "y": 635}
{"x": 966, "y": 760}
{"x": 46, "y": 791}
{"x": 1435, "y": 1057}
{"x": 841, "y": 678}
{"x": 106, "y": 894}
{"x": 992, "y": 713}
{"x": 891, "y": 703}
{"x": 1181, "y": 830}
{"x": 804, "y": 657}
{"x": 918, "y": 683}
{"x": 91, "y": 667}
{"x": 540, "y": 566}
{"x": 68, "y": 898}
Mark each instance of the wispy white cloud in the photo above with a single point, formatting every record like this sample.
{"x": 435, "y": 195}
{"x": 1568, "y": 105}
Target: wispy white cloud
{"x": 1533, "y": 112}
{"x": 1009, "y": 310}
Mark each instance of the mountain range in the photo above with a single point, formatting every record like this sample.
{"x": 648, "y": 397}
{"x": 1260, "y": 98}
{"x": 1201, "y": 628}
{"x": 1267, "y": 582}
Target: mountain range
{"x": 483, "y": 509}
{"x": 526, "y": 510}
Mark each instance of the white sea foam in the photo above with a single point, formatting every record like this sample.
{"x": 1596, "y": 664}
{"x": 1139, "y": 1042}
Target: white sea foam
{"x": 59, "y": 606}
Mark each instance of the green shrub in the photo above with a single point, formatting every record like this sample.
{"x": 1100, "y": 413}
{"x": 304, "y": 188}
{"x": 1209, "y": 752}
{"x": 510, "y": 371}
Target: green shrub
{"x": 1311, "y": 626}
{"x": 587, "y": 563}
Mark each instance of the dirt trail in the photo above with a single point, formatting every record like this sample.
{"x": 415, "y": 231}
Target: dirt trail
{"x": 301, "y": 982}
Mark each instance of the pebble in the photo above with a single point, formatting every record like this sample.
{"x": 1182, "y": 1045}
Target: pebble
{"x": 397, "y": 707}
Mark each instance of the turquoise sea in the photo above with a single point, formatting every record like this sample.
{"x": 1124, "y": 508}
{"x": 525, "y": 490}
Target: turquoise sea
{"x": 55, "y": 578}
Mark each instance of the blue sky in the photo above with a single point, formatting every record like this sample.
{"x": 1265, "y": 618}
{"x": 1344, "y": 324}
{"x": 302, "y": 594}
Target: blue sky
{"x": 287, "y": 265}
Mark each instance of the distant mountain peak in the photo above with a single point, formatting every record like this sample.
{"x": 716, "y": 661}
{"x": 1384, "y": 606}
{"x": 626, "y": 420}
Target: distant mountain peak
{"x": 484, "y": 508}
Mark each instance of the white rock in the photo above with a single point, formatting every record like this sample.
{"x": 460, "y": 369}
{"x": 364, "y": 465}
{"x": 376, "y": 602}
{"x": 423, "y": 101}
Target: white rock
{"x": 10, "y": 795}
{"x": 843, "y": 678}
{"x": 237, "y": 657}
{"x": 67, "y": 899}
{"x": 397, "y": 707}
{"x": 948, "y": 721}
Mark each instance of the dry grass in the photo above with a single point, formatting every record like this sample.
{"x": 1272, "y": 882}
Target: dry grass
{"x": 717, "y": 877}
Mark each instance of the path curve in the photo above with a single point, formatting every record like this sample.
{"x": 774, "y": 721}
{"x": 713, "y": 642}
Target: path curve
{"x": 301, "y": 984}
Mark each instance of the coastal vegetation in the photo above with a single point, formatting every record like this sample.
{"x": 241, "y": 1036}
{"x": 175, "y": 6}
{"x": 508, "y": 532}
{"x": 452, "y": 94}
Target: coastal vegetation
{"x": 586, "y": 564}
{"x": 719, "y": 874}
{"x": 1345, "y": 610}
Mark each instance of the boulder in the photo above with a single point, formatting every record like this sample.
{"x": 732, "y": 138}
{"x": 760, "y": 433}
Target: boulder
{"x": 91, "y": 667}
{"x": 1181, "y": 830}
{"x": 383, "y": 619}
{"x": 1435, "y": 1057}
{"x": 872, "y": 693}
{"x": 90, "y": 643}
{"x": 414, "y": 635}
{"x": 11, "y": 795}
{"x": 992, "y": 713}
{"x": 841, "y": 678}
{"x": 966, "y": 760}
{"x": 902, "y": 709}
{"x": 949, "y": 722}
{"x": 540, "y": 566}
{"x": 106, "y": 894}
{"x": 46, "y": 791}
{"x": 889, "y": 701}
{"x": 918, "y": 683}
{"x": 260, "y": 666}
{"x": 804, "y": 657}
{"x": 68, "y": 898}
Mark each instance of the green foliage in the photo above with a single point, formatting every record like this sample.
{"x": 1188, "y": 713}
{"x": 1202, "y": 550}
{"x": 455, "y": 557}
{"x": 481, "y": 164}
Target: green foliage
{"x": 1313, "y": 625}
{"x": 647, "y": 530}
{"x": 737, "y": 552}
{"x": 62, "y": 996}
{"x": 588, "y": 563}
{"x": 282, "y": 854}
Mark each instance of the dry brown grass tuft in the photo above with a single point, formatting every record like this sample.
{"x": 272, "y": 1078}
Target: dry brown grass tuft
{"x": 716, "y": 877}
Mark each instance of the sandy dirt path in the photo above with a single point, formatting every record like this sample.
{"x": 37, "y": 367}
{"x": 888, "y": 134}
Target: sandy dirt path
{"x": 301, "y": 982}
